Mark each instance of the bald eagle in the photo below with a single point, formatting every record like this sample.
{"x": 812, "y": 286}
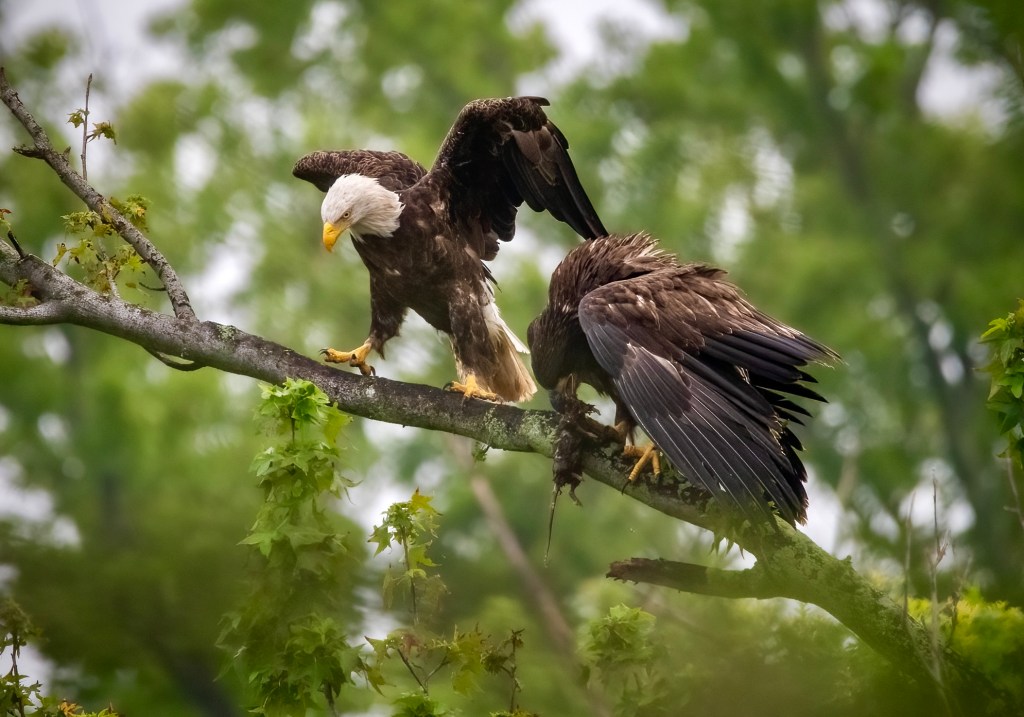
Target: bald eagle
{"x": 686, "y": 357}
{"x": 424, "y": 236}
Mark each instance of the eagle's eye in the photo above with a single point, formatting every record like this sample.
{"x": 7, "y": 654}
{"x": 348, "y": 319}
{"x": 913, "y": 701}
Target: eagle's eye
{"x": 347, "y": 213}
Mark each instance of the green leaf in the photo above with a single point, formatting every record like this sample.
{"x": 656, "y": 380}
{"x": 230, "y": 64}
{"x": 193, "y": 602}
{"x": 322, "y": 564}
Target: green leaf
{"x": 1016, "y": 385}
{"x": 381, "y": 535}
{"x": 417, "y": 704}
{"x": 102, "y": 129}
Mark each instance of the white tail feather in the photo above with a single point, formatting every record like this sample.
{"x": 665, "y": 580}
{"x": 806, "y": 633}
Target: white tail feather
{"x": 512, "y": 380}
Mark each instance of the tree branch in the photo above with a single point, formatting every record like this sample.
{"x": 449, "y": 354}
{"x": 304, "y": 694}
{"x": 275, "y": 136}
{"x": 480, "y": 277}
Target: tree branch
{"x": 789, "y": 563}
{"x": 32, "y": 315}
{"x": 793, "y": 566}
{"x": 85, "y": 130}
{"x": 44, "y": 150}
{"x": 697, "y": 579}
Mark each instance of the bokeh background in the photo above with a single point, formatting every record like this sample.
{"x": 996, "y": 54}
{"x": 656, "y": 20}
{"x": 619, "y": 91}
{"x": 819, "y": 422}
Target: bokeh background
{"x": 857, "y": 166}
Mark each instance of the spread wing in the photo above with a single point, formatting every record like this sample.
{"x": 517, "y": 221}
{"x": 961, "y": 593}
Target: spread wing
{"x": 704, "y": 374}
{"x": 502, "y": 152}
{"x": 394, "y": 170}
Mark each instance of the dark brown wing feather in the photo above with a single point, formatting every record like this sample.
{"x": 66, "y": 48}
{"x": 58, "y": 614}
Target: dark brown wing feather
{"x": 501, "y": 152}
{"x": 704, "y": 373}
{"x": 394, "y": 170}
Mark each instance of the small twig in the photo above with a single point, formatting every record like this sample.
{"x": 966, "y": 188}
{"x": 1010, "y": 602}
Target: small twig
{"x": 954, "y": 617}
{"x": 14, "y": 242}
{"x": 933, "y": 570}
{"x": 85, "y": 128}
{"x": 412, "y": 671}
{"x": 1016, "y": 507}
{"x": 108, "y": 272}
{"x": 940, "y": 553}
{"x": 174, "y": 362}
{"x": 444, "y": 661}
{"x": 412, "y": 582}
{"x": 30, "y": 152}
{"x": 908, "y": 529}
{"x": 329, "y": 695}
{"x": 512, "y": 674}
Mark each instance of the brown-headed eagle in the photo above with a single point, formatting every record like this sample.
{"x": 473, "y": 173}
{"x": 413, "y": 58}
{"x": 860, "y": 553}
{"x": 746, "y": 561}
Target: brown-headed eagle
{"x": 686, "y": 357}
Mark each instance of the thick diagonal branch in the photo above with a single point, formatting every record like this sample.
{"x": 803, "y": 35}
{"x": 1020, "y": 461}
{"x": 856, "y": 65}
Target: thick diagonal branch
{"x": 43, "y": 149}
{"x": 789, "y": 563}
{"x": 229, "y": 349}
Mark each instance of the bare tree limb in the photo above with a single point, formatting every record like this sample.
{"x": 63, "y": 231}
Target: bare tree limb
{"x": 44, "y": 150}
{"x": 697, "y": 579}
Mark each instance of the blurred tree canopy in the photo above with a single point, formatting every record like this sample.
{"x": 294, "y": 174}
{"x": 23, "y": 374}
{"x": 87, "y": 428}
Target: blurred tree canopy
{"x": 797, "y": 143}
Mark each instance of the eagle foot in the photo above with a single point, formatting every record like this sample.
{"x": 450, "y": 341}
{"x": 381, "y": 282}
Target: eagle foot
{"x": 471, "y": 389}
{"x": 618, "y": 433}
{"x": 644, "y": 455}
{"x": 355, "y": 358}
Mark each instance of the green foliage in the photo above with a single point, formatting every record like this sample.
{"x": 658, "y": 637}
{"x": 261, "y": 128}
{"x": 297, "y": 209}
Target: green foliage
{"x": 417, "y": 704}
{"x": 135, "y": 208}
{"x": 15, "y": 631}
{"x": 1005, "y": 338}
{"x": 620, "y": 654}
{"x": 990, "y": 635}
{"x": 99, "y": 129}
{"x": 412, "y": 526}
{"x": 17, "y": 294}
{"x": 101, "y": 254}
{"x": 288, "y": 639}
{"x": 18, "y": 697}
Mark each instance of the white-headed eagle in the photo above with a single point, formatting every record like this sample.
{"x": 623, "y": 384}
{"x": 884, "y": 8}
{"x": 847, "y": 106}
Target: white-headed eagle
{"x": 686, "y": 357}
{"x": 424, "y": 236}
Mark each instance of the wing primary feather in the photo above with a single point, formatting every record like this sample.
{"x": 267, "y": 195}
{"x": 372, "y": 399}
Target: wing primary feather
{"x": 751, "y": 477}
{"x": 753, "y": 362}
{"x": 649, "y": 384}
{"x": 716, "y": 434}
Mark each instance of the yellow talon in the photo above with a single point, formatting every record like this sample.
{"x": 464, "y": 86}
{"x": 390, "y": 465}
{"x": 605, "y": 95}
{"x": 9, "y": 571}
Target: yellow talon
{"x": 355, "y": 358}
{"x": 645, "y": 455}
{"x": 471, "y": 389}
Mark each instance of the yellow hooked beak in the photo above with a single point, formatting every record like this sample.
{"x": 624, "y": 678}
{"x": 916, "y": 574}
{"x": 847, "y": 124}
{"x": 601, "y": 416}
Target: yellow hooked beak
{"x": 332, "y": 232}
